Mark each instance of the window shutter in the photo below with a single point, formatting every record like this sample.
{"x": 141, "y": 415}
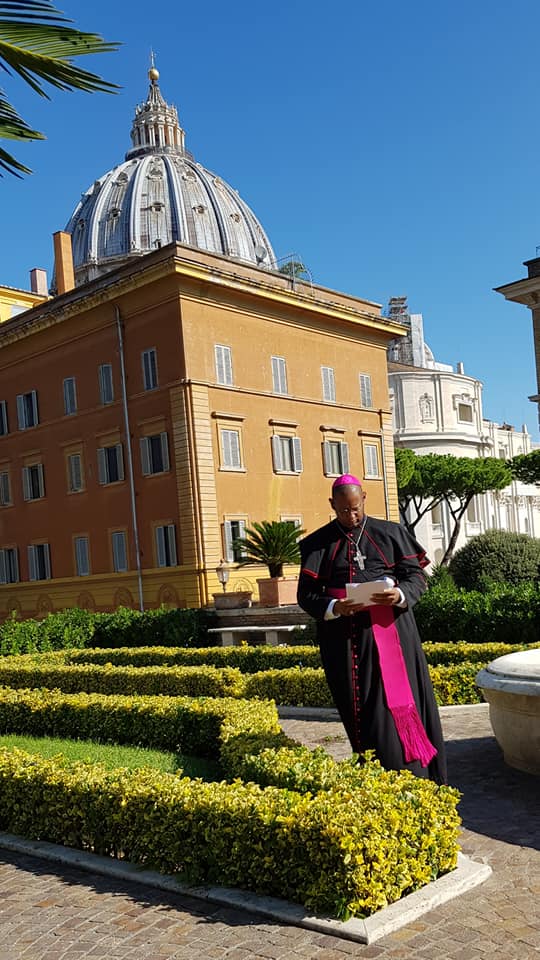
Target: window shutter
{"x": 32, "y": 563}
{"x": 277, "y": 454}
{"x": 327, "y": 458}
{"x": 5, "y": 493}
{"x": 171, "y": 541}
{"x": 228, "y": 541}
{"x": 145, "y": 456}
{"x": 75, "y": 473}
{"x": 3, "y": 418}
{"x": 220, "y": 366}
{"x": 35, "y": 414}
{"x": 103, "y": 473}
{"x": 297, "y": 455}
{"x": 365, "y": 390}
{"x": 227, "y": 366}
{"x": 46, "y": 560}
{"x": 81, "y": 551}
{"x": 15, "y": 565}
{"x": 165, "y": 450}
{"x": 160, "y": 547}
{"x": 120, "y": 460}
{"x": 41, "y": 479}
{"x": 3, "y": 567}
{"x": 21, "y": 411}
{"x": 27, "y": 489}
{"x": 344, "y": 454}
{"x": 119, "y": 547}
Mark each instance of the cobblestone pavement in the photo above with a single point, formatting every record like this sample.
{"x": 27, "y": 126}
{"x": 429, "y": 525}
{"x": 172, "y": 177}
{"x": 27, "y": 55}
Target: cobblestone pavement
{"x": 58, "y": 913}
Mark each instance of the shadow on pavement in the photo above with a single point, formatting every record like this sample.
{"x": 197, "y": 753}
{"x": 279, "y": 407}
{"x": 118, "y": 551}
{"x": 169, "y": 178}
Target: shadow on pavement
{"x": 497, "y": 800}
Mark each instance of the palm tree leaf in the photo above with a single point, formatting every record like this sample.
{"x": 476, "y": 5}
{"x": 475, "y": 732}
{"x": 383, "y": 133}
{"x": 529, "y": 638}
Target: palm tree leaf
{"x": 45, "y": 51}
{"x": 12, "y": 126}
{"x": 11, "y": 165}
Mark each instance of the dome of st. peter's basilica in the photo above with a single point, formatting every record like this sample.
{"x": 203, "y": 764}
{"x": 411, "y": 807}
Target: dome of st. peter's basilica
{"x": 159, "y": 195}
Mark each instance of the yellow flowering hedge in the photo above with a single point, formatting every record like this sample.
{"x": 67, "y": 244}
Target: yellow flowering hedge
{"x": 341, "y": 852}
{"x": 453, "y": 682}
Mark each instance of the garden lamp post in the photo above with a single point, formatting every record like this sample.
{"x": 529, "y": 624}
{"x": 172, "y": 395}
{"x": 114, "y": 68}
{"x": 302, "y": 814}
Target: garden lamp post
{"x": 222, "y": 571}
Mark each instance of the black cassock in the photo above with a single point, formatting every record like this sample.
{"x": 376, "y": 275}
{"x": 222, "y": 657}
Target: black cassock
{"x": 349, "y": 653}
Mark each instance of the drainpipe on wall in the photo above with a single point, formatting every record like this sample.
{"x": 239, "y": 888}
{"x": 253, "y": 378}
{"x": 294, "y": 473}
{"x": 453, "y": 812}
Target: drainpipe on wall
{"x": 131, "y": 477}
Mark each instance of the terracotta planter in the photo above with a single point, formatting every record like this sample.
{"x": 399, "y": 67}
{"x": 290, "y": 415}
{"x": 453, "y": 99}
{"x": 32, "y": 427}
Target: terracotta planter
{"x": 277, "y": 591}
{"x": 232, "y": 600}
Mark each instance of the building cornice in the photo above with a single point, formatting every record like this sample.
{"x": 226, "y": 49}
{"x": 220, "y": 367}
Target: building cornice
{"x": 213, "y": 271}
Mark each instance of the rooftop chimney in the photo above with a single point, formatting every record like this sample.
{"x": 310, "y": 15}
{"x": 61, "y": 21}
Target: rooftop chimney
{"x": 38, "y": 282}
{"x": 460, "y": 367}
{"x": 63, "y": 262}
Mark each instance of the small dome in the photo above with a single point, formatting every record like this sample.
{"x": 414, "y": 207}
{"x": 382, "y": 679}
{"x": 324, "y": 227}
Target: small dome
{"x": 159, "y": 195}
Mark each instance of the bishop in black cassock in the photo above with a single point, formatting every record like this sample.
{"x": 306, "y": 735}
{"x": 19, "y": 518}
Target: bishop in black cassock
{"x": 372, "y": 655}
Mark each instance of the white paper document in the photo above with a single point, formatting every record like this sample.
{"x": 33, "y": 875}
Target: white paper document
{"x": 361, "y": 592}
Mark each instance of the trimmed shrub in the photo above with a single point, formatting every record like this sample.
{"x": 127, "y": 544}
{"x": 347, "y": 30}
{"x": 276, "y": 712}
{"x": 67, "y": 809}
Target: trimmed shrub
{"x": 496, "y": 556}
{"x": 505, "y": 614}
{"x": 203, "y": 681}
{"x": 81, "y": 628}
{"x": 340, "y": 852}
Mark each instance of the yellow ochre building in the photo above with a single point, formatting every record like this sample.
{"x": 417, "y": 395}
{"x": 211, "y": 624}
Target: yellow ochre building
{"x": 174, "y": 389}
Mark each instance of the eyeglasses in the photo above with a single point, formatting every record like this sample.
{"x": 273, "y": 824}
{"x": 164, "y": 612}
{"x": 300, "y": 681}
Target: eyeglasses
{"x": 348, "y": 511}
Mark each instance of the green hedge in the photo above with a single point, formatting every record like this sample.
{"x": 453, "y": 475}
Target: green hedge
{"x": 339, "y": 852}
{"x": 255, "y": 659}
{"x": 297, "y": 686}
{"x": 82, "y": 628}
{"x": 505, "y": 614}
{"x": 339, "y": 838}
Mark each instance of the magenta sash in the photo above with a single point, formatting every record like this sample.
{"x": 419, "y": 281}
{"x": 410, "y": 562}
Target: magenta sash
{"x": 397, "y": 688}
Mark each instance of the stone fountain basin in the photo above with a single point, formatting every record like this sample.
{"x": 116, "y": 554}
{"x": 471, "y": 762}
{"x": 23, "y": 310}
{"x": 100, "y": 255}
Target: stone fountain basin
{"x": 511, "y": 686}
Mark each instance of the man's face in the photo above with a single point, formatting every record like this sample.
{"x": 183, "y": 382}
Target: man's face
{"x": 348, "y": 503}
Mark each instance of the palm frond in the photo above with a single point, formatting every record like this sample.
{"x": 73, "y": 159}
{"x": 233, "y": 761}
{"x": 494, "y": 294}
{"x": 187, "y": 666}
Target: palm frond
{"x": 37, "y": 45}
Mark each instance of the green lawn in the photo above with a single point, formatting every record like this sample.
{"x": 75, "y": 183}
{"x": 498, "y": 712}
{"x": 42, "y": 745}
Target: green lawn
{"x": 112, "y": 756}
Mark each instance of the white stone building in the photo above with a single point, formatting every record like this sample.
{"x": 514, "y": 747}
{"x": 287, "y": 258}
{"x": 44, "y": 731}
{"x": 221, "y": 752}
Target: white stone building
{"x": 437, "y": 409}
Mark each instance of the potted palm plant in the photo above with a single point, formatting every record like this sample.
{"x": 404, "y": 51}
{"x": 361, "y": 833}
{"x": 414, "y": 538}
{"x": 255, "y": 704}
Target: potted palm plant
{"x": 274, "y": 543}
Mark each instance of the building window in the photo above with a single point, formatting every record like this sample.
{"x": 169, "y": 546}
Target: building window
{"x": 366, "y": 398}
{"x": 27, "y": 410}
{"x": 335, "y": 457}
{"x": 9, "y": 565}
{"x": 33, "y": 482}
{"x": 119, "y": 551}
{"x": 110, "y": 464}
{"x": 149, "y": 366}
{"x": 39, "y": 561}
{"x": 70, "y": 396}
{"x": 328, "y": 384}
{"x": 473, "y": 515}
{"x": 232, "y": 530}
{"x": 75, "y": 473}
{"x": 231, "y": 453}
{"x": 106, "y": 386}
{"x": 82, "y": 556}
{"x": 436, "y": 520}
{"x": 154, "y": 454}
{"x": 5, "y": 489}
{"x": 371, "y": 460}
{"x": 223, "y": 359}
{"x": 465, "y": 413}
{"x": 166, "y": 546}
{"x": 287, "y": 454}
{"x": 279, "y": 375}
{"x": 4, "y": 428}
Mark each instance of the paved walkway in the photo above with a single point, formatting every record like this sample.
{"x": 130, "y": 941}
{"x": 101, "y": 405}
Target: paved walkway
{"x": 58, "y": 913}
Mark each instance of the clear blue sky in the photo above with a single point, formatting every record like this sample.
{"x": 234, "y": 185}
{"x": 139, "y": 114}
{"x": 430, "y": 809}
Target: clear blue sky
{"x": 393, "y": 146}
